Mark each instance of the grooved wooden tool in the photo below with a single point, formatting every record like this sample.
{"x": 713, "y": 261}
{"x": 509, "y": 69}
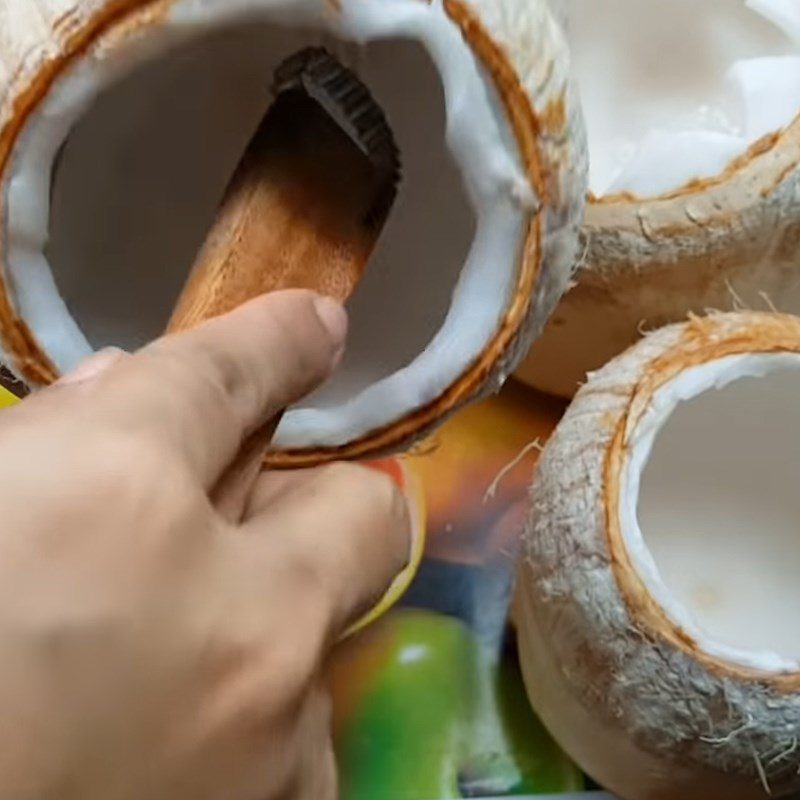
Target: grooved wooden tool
{"x": 308, "y": 200}
{"x": 303, "y": 210}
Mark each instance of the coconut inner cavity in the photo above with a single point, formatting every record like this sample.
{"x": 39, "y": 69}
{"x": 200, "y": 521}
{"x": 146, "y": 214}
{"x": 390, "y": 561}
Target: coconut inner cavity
{"x": 718, "y": 536}
{"x": 675, "y": 90}
{"x": 140, "y": 178}
{"x": 141, "y": 150}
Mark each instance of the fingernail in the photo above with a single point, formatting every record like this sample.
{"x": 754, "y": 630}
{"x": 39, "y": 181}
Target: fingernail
{"x": 334, "y": 317}
{"x": 94, "y": 365}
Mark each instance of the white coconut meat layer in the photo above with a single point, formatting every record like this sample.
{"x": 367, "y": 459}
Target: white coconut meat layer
{"x": 149, "y": 134}
{"x": 710, "y": 507}
{"x": 675, "y": 90}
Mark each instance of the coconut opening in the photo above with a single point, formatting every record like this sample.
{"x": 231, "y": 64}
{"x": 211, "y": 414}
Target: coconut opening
{"x": 141, "y": 175}
{"x": 147, "y": 136}
{"x": 675, "y": 90}
{"x": 712, "y": 523}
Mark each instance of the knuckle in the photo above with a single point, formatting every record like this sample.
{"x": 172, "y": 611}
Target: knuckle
{"x": 223, "y": 383}
{"x": 384, "y": 495}
{"x": 132, "y": 472}
{"x": 312, "y": 585}
{"x": 139, "y": 449}
{"x": 342, "y": 474}
{"x": 227, "y": 377}
{"x": 323, "y": 708}
{"x": 268, "y": 685}
{"x": 308, "y": 575}
{"x": 122, "y": 457}
{"x": 390, "y": 511}
{"x": 379, "y": 496}
{"x": 299, "y": 332}
{"x": 273, "y": 680}
{"x": 292, "y": 666}
{"x": 140, "y": 456}
{"x": 211, "y": 384}
{"x": 277, "y": 674}
{"x": 381, "y": 504}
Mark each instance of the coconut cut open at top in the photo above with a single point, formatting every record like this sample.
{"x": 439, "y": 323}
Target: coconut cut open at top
{"x": 121, "y": 124}
{"x": 657, "y": 602}
{"x": 694, "y": 144}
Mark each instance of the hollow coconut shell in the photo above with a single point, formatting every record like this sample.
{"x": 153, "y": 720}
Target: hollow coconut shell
{"x": 628, "y": 691}
{"x": 516, "y": 46}
{"x": 730, "y": 242}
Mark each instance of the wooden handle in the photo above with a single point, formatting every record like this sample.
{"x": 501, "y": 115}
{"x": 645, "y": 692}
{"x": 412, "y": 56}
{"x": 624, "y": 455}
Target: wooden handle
{"x": 296, "y": 215}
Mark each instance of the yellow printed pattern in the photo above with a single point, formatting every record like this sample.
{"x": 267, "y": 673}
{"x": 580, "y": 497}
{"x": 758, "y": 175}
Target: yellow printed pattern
{"x": 7, "y": 399}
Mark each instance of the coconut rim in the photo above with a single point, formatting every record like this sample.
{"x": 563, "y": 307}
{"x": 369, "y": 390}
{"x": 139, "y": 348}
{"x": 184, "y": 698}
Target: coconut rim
{"x": 749, "y": 179}
{"x": 740, "y": 163}
{"x": 758, "y": 334}
{"x": 116, "y": 22}
{"x": 707, "y": 234}
{"x": 781, "y": 19}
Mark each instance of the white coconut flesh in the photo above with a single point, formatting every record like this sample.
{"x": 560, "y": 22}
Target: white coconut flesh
{"x": 675, "y": 90}
{"x": 149, "y": 134}
{"x": 710, "y": 507}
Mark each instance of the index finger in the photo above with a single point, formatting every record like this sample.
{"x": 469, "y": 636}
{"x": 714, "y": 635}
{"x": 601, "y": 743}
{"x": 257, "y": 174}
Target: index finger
{"x": 202, "y": 392}
{"x": 337, "y": 539}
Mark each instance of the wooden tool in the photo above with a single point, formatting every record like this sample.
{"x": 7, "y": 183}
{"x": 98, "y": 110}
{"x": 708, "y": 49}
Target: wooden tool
{"x": 308, "y": 200}
{"x": 303, "y": 210}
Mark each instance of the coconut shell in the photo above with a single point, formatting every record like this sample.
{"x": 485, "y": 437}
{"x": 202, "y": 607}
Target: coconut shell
{"x": 731, "y": 242}
{"x": 523, "y": 53}
{"x": 629, "y": 695}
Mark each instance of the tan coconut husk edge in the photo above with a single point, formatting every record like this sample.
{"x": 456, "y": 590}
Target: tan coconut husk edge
{"x": 727, "y": 242}
{"x": 757, "y": 148}
{"x": 114, "y": 21}
{"x": 708, "y": 209}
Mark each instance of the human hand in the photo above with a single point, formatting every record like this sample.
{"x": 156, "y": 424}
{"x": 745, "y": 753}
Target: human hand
{"x": 157, "y": 640}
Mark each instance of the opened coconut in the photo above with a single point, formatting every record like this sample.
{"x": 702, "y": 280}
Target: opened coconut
{"x": 122, "y": 121}
{"x": 694, "y": 145}
{"x": 657, "y": 600}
